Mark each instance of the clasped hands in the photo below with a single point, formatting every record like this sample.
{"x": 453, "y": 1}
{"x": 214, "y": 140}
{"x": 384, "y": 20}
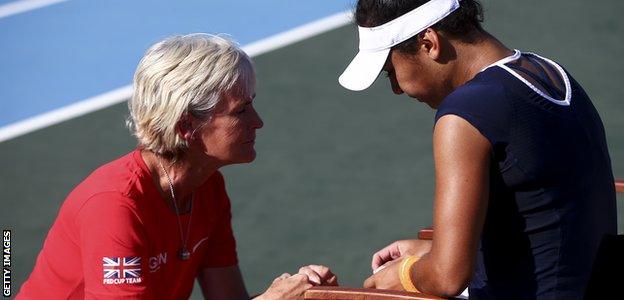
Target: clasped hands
{"x": 287, "y": 287}
{"x": 385, "y": 265}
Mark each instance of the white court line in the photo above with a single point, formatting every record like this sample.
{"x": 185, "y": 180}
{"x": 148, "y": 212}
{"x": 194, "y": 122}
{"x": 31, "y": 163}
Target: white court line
{"x": 21, "y": 6}
{"x": 121, "y": 94}
{"x": 298, "y": 34}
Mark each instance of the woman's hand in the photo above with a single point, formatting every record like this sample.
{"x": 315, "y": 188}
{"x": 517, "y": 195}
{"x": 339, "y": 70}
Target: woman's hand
{"x": 287, "y": 287}
{"x": 386, "y": 278}
{"x": 397, "y": 250}
{"x": 319, "y": 275}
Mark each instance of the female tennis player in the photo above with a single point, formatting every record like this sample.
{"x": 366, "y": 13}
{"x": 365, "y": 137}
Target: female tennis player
{"x": 146, "y": 225}
{"x": 524, "y": 188}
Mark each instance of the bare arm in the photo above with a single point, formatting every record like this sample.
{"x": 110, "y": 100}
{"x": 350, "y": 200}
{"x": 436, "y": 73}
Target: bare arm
{"x": 222, "y": 283}
{"x": 462, "y": 161}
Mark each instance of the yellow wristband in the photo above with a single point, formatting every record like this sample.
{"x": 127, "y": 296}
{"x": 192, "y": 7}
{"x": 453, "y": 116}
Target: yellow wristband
{"x": 405, "y": 273}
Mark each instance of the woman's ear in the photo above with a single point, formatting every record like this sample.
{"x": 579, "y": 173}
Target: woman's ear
{"x": 430, "y": 43}
{"x": 184, "y": 128}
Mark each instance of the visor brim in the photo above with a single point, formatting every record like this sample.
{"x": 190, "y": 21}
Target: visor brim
{"x": 363, "y": 69}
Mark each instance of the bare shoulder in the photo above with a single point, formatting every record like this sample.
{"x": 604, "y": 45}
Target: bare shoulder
{"x": 454, "y": 134}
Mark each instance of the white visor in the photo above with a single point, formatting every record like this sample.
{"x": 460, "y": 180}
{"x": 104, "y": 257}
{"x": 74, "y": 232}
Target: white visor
{"x": 376, "y": 42}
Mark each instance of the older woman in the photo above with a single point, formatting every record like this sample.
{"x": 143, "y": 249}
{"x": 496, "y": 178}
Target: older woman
{"x": 524, "y": 188}
{"x": 146, "y": 225}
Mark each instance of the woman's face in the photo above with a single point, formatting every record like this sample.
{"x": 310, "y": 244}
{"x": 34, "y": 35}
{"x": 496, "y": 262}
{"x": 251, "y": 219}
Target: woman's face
{"x": 416, "y": 76}
{"x": 229, "y": 135}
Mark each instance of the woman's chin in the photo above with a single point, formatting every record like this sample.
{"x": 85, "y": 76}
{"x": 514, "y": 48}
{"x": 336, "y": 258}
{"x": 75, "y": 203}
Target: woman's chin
{"x": 248, "y": 156}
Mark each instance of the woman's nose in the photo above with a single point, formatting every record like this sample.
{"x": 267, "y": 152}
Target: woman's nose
{"x": 397, "y": 90}
{"x": 257, "y": 122}
{"x": 395, "y": 86}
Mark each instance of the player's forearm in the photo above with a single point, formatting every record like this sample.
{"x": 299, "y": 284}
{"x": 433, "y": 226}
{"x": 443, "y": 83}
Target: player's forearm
{"x": 439, "y": 276}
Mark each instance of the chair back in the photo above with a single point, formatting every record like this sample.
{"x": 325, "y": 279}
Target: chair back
{"x": 608, "y": 270}
{"x": 607, "y": 273}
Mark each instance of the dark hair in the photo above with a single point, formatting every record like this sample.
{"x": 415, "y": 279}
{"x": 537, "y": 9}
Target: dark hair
{"x": 460, "y": 23}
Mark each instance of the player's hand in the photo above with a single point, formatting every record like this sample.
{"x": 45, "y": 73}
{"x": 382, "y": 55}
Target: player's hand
{"x": 399, "y": 249}
{"x": 319, "y": 275}
{"x": 287, "y": 287}
{"x": 386, "y": 278}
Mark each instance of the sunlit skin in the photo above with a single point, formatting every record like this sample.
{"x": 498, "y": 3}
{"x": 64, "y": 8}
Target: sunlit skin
{"x": 440, "y": 65}
{"x": 416, "y": 76}
{"x": 229, "y": 136}
{"x": 226, "y": 137}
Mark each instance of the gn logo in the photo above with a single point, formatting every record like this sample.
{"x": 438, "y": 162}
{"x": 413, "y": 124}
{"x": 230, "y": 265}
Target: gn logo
{"x": 156, "y": 261}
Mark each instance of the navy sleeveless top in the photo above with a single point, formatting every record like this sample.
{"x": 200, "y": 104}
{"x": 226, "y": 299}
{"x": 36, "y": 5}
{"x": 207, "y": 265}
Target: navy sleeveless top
{"x": 552, "y": 196}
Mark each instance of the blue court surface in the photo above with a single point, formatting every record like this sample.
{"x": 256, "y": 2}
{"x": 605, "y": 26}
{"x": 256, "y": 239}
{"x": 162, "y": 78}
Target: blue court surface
{"x": 69, "y": 51}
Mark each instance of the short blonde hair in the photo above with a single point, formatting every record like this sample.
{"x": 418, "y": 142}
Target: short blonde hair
{"x": 185, "y": 74}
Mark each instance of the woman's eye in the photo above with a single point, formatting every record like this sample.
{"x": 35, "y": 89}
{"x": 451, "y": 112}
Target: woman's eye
{"x": 241, "y": 111}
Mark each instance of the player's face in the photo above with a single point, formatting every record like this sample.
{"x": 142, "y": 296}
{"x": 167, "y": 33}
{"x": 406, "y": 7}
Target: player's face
{"x": 229, "y": 135}
{"x": 416, "y": 76}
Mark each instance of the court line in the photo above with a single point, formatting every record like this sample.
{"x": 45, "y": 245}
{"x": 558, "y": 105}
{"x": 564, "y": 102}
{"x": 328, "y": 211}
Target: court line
{"x": 298, "y": 34}
{"x": 121, "y": 94}
{"x": 21, "y": 6}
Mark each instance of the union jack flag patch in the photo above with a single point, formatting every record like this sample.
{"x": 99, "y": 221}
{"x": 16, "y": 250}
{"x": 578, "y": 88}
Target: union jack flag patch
{"x": 122, "y": 268}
